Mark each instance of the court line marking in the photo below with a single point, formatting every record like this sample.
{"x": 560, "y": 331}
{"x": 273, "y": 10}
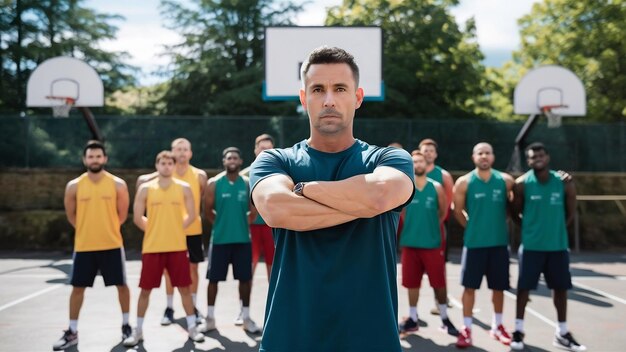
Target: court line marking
{"x": 32, "y": 295}
{"x": 532, "y": 311}
{"x": 599, "y": 292}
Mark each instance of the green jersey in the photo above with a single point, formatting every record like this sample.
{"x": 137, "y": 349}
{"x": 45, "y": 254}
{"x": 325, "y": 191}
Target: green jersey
{"x": 231, "y": 207}
{"x": 543, "y": 224}
{"x": 436, "y": 174}
{"x": 421, "y": 220}
{"x": 486, "y": 204}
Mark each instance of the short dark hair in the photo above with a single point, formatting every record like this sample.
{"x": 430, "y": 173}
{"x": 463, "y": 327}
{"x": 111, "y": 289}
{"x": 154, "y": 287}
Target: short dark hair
{"x": 263, "y": 137}
{"x": 165, "y": 154}
{"x": 231, "y": 149}
{"x": 330, "y": 55}
{"x": 94, "y": 144}
{"x": 535, "y": 147}
{"x": 428, "y": 141}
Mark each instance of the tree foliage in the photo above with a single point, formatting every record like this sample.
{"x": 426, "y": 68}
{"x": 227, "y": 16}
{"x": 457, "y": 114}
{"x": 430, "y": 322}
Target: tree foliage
{"x": 587, "y": 37}
{"x": 218, "y": 67}
{"x": 32, "y": 31}
{"x": 432, "y": 68}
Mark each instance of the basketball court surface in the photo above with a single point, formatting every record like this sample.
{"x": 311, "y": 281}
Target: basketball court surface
{"x": 35, "y": 294}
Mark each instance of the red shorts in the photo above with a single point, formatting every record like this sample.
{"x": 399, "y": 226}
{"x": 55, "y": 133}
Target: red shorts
{"x": 153, "y": 264}
{"x": 416, "y": 261}
{"x": 262, "y": 241}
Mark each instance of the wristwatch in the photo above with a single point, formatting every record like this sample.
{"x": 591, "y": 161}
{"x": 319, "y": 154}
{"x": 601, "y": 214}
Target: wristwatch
{"x": 299, "y": 188}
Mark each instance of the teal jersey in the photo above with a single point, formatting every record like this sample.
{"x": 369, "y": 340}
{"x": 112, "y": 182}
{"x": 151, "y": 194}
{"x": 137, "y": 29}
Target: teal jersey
{"x": 231, "y": 207}
{"x": 485, "y": 203}
{"x": 543, "y": 223}
{"x": 421, "y": 220}
{"x": 436, "y": 174}
{"x": 322, "y": 280}
{"x": 259, "y": 220}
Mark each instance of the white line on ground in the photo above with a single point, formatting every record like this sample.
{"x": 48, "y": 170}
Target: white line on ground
{"x": 599, "y": 292}
{"x": 33, "y": 295}
{"x": 532, "y": 311}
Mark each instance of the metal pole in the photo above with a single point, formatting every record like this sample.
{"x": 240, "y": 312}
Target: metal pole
{"x": 576, "y": 232}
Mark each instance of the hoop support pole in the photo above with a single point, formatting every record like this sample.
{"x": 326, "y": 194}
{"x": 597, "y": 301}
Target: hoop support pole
{"x": 91, "y": 123}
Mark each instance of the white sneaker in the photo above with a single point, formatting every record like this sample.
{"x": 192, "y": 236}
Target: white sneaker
{"x": 195, "y": 334}
{"x": 239, "y": 319}
{"x": 209, "y": 324}
{"x": 250, "y": 326}
{"x": 134, "y": 339}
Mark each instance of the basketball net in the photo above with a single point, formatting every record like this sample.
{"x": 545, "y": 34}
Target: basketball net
{"x": 554, "y": 120}
{"x": 63, "y": 109}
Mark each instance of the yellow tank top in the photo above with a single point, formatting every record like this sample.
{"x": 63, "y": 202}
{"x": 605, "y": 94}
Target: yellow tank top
{"x": 165, "y": 218}
{"x": 97, "y": 221}
{"x": 191, "y": 177}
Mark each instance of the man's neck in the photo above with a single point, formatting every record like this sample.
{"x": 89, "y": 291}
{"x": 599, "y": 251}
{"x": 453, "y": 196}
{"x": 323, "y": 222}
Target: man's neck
{"x": 165, "y": 181}
{"x": 330, "y": 143}
{"x": 542, "y": 175}
{"x": 181, "y": 168}
{"x": 430, "y": 167}
{"x": 420, "y": 181}
{"x": 484, "y": 175}
{"x": 95, "y": 176}
{"x": 232, "y": 176}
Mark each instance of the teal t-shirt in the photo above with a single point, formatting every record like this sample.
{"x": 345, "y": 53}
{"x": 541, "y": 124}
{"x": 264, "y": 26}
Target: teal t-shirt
{"x": 421, "y": 220}
{"x": 326, "y": 285}
{"x": 543, "y": 224}
{"x": 485, "y": 203}
{"x": 259, "y": 220}
{"x": 436, "y": 174}
{"x": 231, "y": 207}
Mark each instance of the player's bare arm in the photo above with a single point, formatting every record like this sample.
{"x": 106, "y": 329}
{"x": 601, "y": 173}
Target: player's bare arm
{"x": 145, "y": 178}
{"x": 202, "y": 180}
{"x": 363, "y": 196}
{"x": 509, "y": 182}
{"x": 517, "y": 206}
{"x": 281, "y": 208}
{"x": 570, "y": 202}
{"x": 252, "y": 212}
{"x": 123, "y": 199}
{"x": 442, "y": 205}
{"x": 189, "y": 206}
{"x": 69, "y": 201}
{"x": 448, "y": 186}
{"x": 460, "y": 192}
{"x": 139, "y": 208}
{"x": 209, "y": 200}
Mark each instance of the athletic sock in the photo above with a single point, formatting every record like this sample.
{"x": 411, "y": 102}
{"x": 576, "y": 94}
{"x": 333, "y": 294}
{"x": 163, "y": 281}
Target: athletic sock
{"x": 443, "y": 310}
{"x": 193, "y": 298}
{"x": 519, "y": 325}
{"x": 497, "y": 321}
{"x": 74, "y": 325}
{"x": 124, "y": 318}
{"x": 467, "y": 321}
{"x": 245, "y": 312}
{"x": 191, "y": 321}
{"x": 139, "y": 324}
{"x": 170, "y": 301}
{"x": 210, "y": 311}
{"x": 562, "y": 328}
{"x": 413, "y": 313}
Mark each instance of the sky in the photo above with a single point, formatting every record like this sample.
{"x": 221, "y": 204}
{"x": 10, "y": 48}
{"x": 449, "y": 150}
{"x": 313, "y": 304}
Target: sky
{"x": 142, "y": 34}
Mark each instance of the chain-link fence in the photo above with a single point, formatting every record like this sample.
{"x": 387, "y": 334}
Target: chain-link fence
{"x": 133, "y": 141}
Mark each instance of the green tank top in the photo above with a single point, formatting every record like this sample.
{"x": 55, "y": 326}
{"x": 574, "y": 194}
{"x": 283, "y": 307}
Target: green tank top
{"x": 231, "y": 206}
{"x": 486, "y": 203}
{"x": 259, "y": 220}
{"x": 436, "y": 174}
{"x": 421, "y": 221}
{"x": 543, "y": 224}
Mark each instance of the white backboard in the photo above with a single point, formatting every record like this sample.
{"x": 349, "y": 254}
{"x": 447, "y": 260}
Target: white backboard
{"x": 548, "y": 86}
{"x": 67, "y": 77}
{"x": 287, "y": 47}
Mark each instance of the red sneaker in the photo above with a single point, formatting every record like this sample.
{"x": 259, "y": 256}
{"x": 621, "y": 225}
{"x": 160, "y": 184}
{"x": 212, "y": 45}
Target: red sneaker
{"x": 465, "y": 338}
{"x": 501, "y": 335}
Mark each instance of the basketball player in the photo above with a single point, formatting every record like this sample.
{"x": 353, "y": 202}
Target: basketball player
{"x": 196, "y": 178}
{"x": 227, "y": 206}
{"x": 164, "y": 242}
{"x": 481, "y": 198}
{"x": 421, "y": 246}
{"x": 96, "y": 203}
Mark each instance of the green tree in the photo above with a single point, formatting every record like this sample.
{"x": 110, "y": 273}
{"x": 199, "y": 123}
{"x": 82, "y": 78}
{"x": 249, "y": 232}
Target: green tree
{"x": 218, "y": 67}
{"x": 587, "y": 37}
{"x": 35, "y": 30}
{"x": 432, "y": 68}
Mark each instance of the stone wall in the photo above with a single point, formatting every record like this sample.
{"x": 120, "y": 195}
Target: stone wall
{"x": 32, "y": 215}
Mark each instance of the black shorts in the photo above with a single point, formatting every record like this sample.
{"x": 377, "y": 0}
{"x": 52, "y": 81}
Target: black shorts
{"x": 109, "y": 263}
{"x": 492, "y": 262}
{"x": 221, "y": 255}
{"x": 194, "y": 247}
{"x": 553, "y": 264}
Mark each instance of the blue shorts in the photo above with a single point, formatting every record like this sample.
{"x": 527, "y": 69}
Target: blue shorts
{"x": 109, "y": 263}
{"x": 490, "y": 261}
{"x": 553, "y": 264}
{"x": 221, "y": 255}
{"x": 194, "y": 247}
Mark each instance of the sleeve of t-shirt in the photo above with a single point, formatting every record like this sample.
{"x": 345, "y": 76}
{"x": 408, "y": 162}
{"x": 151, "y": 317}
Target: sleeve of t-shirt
{"x": 400, "y": 160}
{"x": 268, "y": 163}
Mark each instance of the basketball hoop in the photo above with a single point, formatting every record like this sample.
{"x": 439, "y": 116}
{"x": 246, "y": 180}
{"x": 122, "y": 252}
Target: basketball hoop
{"x": 554, "y": 120}
{"x": 63, "y": 109}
